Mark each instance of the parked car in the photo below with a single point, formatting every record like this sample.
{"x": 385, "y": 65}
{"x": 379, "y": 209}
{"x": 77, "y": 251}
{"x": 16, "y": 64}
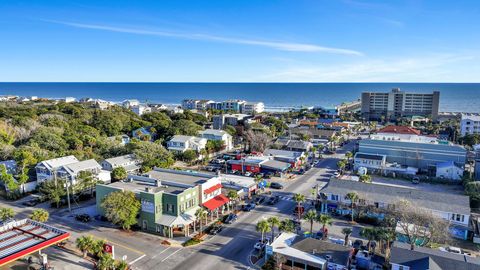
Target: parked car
{"x": 101, "y": 218}
{"x": 276, "y": 185}
{"x": 31, "y": 202}
{"x": 230, "y": 218}
{"x": 248, "y": 207}
{"x": 336, "y": 174}
{"x": 85, "y": 218}
{"x": 259, "y": 200}
{"x": 259, "y": 245}
{"x": 273, "y": 200}
{"x": 248, "y": 174}
{"x": 315, "y": 162}
{"x": 216, "y": 229}
{"x": 416, "y": 180}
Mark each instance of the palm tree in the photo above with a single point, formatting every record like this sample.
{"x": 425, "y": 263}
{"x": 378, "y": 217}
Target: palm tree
{"x": 106, "y": 262}
{"x": 97, "y": 248}
{"x": 299, "y": 199}
{"x": 347, "y": 232}
{"x": 348, "y": 155}
{"x": 6, "y": 213}
{"x": 39, "y": 215}
{"x": 287, "y": 226}
{"x": 325, "y": 220}
{"x": 341, "y": 165}
{"x": 233, "y": 196}
{"x": 263, "y": 227}
{"x": 121, "y": 265}
{"x": 370, "y": 234}
{"x": 273, "y": 221}
{"x": 353, "y": 197}
{"x": 311, "y": 216}
{"x": 85, "y": 244}
{"x": 388, "y": 235}
{"x": 201, "y": 214}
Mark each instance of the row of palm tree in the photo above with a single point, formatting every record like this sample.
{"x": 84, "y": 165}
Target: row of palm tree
{"x": 268, "y": 225}
{"x": 87, "y": 244}
{"x": 385, "y": 236}
{"x": 323, "y": 219}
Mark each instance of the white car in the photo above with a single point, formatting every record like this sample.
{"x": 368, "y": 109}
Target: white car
{"x": 259, "y": 246}
{"x": 248, "y": 174}
{"x": 336, "y": 174}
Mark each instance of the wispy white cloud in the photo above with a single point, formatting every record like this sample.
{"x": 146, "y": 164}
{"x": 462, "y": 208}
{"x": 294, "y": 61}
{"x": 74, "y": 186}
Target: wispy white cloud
{"x": 283, "y": 46}
{"x": 423, "y": 69}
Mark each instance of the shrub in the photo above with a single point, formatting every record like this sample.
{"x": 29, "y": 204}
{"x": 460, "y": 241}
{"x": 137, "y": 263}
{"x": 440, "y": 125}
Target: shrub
{"x": 166, "y": 243}
{"x": 192, "y": 242}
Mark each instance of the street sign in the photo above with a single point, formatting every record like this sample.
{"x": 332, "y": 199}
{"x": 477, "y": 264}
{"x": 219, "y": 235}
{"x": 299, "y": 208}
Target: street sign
{"x": 109, "y": 248}
{"x": 269, "y": 250}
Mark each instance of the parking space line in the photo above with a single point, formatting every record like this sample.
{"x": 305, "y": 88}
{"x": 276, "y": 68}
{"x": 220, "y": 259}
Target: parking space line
{"x": 161, "y": 252}
{"x": 171, "y": 255}
{"x": 137, "y": 259}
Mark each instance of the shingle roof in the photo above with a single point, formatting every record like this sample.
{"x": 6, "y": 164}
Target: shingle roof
{"x": 59, "y": 162}
{"x": 215, "y": 132}
{"x": 120, "y": 160}
{"x": 425, "y": 258}
{"x": 399, "y": 130}
{"x": 440, "y": 201}
{"x": 297, "y": 144}
{"x": 82, "y": 165}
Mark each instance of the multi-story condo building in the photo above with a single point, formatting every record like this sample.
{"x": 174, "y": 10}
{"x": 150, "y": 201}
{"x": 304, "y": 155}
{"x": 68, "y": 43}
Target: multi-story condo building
{"x": 170, "y": 198}
{"x": 397, "y": 104}
{"x": 222, "y": 120}
{"x": 252, "y": 108}
{"x": 470, "y": 124}
{"x": 234, "y": 105}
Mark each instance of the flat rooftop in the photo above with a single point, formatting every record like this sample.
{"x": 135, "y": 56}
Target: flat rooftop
{"x": 191, "y": 178}
{"x": 140, "y": 186}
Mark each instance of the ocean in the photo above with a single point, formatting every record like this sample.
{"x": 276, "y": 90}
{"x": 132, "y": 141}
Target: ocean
{"x": 454, "y": 97}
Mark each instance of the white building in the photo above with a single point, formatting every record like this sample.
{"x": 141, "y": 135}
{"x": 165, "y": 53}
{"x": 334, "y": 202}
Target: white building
{"x": 68, "y": 99}
{"x": 470, "y": 124}
{"x": 45, "y": 169}
{"x": 244, "y": 186}
{"x": 182, "y": 143}
{"x": 369, "y": 161}
{"x": 130, "y": 103}
{"x": 72, "y": 171}
{"x": 449, "y": 170}
{"x": 253, "y": 107}
{"x": 129, "y": 162}
{"x": 140, "y": 109}
{"x": 218, "y": 135}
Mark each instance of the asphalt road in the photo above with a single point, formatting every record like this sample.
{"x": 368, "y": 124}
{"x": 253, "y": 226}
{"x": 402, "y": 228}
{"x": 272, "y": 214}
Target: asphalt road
{"x": 231, "y": 248}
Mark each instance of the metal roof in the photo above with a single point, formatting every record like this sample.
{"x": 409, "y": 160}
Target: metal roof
{"x": 439, "y": 201}
{"x": 23, "y": 237}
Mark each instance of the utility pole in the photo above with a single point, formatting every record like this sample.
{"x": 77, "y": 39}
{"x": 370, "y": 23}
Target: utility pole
{"x": 68, "y": 196}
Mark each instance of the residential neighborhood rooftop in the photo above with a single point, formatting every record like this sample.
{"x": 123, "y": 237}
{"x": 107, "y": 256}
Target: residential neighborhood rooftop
{"x": 59, "y": 162}
{"x": 399, "y": 130}
{"x": 120, "y": 160}
{"x": 426, "y": 258}
{"x": 82, "y": 165}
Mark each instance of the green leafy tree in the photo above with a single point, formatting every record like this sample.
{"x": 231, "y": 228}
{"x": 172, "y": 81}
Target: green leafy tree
{"x": 365, "y": 178}
{"x": 348, "y": 155}
{"x": 263, "y": 227}
{"x": 341, "y": 165}
{"x": 231, "y": 130}
{"x": 121, "y": 208}
{"x": 85, "y": 244}
{"x": 119, "y": 173}
{"x": 370, "y": 234}
{"x": 98, "y": 246}
{"x": 40, "y": 215}
{"x": 121, "y": 265}
{"x": 6, "y": 213}
{"x": 311, "y": 216}
{"x": 87, "y": 181}
{"x": 54, "y": 190}
{"x": 189, "y": 156}
{"x": 152, "y": 154}
{"x": 353, "y": 198}
{"x": 325, "y": 220}
{"x": 8, "y": 181}
{"x": 273, "y": 222}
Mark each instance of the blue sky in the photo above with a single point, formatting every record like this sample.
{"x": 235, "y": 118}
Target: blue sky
{"x": 240, "y": 41}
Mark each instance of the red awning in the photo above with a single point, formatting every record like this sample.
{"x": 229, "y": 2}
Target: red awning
{"x": 216, "y": 202}
{"x": 212, "y": 188}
